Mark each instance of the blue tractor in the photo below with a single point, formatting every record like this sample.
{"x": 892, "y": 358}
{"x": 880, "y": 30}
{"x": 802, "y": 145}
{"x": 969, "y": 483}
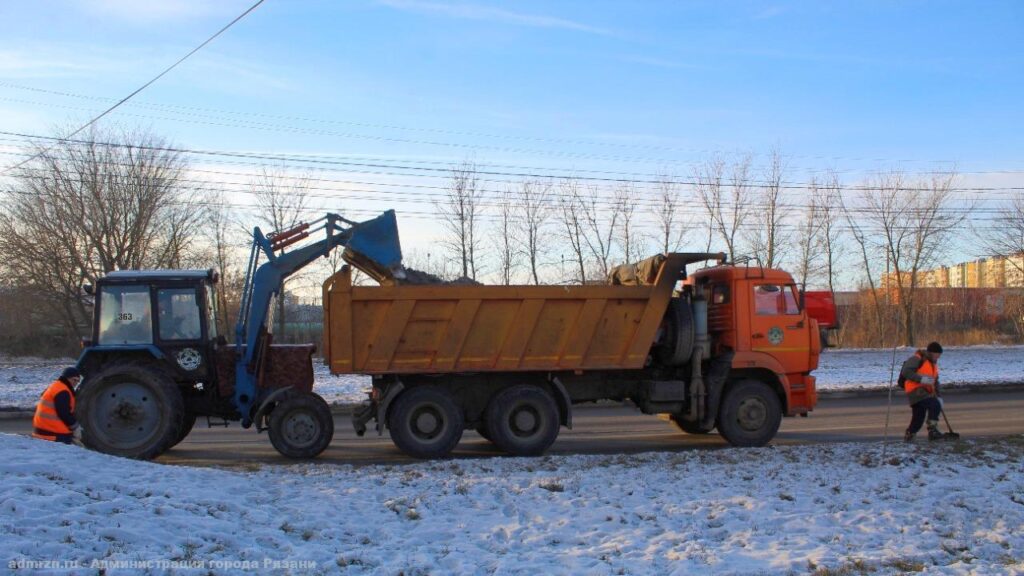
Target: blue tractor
{"x": 155, "y": 362}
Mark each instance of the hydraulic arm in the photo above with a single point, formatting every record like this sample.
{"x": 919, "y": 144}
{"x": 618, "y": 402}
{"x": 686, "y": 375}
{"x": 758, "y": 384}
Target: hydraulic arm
{"x": 373, "y": 242}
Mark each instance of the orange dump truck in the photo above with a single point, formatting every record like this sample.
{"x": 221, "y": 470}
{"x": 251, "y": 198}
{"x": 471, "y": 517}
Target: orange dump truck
{"x": 726, "y": 347}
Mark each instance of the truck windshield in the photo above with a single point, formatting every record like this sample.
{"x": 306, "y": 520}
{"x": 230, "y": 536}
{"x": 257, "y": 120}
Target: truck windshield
{"x": 125, "y": 315}
{"x": 775, "y": 299}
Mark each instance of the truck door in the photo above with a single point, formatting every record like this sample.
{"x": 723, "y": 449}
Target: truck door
{"x": 778, "y": 326}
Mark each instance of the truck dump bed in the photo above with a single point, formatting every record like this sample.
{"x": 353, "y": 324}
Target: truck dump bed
{"x": 453, "y": 328}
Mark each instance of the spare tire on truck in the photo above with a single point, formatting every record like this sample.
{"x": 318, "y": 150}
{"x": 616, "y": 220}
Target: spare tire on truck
{"x": 677, "y": 334}
{"x": 130, "y": 409}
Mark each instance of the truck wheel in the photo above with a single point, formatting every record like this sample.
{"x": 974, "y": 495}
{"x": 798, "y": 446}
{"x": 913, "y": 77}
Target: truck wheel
{"x": 425, "y": 422}
{"x": 523, "y": 420}
{"x": 188, "y": 421}
{"x": 301, "y": 425}
{"x": 129, "y": 409}
{"x": 750, "y": 414}
{"x": 690, "y": 427}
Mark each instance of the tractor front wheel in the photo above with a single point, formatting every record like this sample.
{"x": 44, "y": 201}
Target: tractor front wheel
{"x": 301, "y": 425}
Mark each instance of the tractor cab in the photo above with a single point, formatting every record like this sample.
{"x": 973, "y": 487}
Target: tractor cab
{"x": 170, "y": 314}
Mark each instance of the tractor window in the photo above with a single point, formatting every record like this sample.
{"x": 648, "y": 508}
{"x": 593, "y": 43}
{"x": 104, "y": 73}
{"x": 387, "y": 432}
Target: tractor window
{"x": 179, "y": 314}
{"x": 125, "y": 316}
{"x": 774, "y": 300}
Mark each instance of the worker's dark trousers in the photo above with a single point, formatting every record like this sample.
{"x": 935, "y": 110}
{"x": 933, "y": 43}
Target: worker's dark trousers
{"x": 928, "y": 406}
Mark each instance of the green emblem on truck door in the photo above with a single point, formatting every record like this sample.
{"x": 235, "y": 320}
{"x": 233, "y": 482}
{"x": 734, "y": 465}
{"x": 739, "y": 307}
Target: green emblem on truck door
{"x": 775, "y": 335}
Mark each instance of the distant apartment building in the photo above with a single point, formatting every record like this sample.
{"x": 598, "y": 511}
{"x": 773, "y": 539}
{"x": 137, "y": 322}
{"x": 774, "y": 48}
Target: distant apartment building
{"x": 995, "y": 272}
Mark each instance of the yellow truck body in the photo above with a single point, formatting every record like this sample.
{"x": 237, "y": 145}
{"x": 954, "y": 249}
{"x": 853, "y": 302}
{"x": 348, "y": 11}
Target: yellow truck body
{"x": 402, "y": 329}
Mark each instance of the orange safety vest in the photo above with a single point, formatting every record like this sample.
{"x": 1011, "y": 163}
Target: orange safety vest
{"x": 927, "y": 369}
{"x": 46, "y": 423}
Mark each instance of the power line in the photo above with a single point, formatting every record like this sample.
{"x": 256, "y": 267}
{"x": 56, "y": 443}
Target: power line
{"x": 215, "y": 112}
{"x": 435, "y": 172}
{"x": 439, "y": 196}
{"x": 147, "y": 84}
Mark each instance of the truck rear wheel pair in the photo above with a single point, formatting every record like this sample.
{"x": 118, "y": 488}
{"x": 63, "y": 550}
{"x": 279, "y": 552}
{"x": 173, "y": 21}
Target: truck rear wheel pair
{"x": 426, "y": 422}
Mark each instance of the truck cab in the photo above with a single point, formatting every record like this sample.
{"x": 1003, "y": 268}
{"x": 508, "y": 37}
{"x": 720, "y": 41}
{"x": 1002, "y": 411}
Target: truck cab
{"x": 756, "y": 313}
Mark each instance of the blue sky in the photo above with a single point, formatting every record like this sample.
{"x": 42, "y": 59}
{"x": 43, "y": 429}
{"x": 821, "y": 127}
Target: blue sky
{"x": 620, "y": 86}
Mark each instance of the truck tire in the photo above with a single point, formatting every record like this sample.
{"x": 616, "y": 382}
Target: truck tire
{"x": 188, "y": 421}
{"x": 750, "y": 414}
{"x": 301, "y": 425}
{"x": 523, "y": 420}
{"x": 676, "y": 345}
{"x": 130, "y": 409}
{"x": 690, "y": 427}
{"x": 425, "y": 422}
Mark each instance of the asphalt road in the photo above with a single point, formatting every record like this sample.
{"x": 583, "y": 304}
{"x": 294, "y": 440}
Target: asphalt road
{"x": 614, "y": 429}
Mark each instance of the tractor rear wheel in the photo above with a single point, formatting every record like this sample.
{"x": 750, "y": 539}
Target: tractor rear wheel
{"x": 130, "y": 409}
{"x": 301, "y": 425}
{"x": 188, "y": 422}
{"x": 425, "y": 422}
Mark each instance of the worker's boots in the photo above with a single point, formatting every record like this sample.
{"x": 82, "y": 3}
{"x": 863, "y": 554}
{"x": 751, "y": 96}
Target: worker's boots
{"x": 933, "y": 430}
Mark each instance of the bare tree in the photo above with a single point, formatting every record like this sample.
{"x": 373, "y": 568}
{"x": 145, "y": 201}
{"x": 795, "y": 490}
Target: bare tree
{"x": 829, "y": 207}
{"x": 570, "y": 206}
{"x": 809, "y": 236}
{"x": 673, "y": 224}
{"x": 631, "y": 238}
{"x": 768, "y": 237}
{"x": 82, "y": 208}
{"x": 911, "y": 226}
{"x": 226, "y": 244}
{"x": 865, "y": 245}
{"x": 282, "y": 201}
{"x": 533, "y": 208}
{"x": 504, "y": 238}
{"x": 1005, "y": 237}
{"x": 599, "y": 229}
{"x": 460, "y": 212}
{"x": 727, "y": 203}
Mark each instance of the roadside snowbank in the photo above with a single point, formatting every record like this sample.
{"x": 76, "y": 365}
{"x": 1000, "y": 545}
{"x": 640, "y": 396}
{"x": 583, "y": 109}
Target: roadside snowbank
{"x": 949, "y": 508}
{"x": 23, "y": 379}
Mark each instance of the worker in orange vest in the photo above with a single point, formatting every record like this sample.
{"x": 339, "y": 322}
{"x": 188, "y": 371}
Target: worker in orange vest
{"x": 55, "y": 414}
{"x": 920, "y": 379}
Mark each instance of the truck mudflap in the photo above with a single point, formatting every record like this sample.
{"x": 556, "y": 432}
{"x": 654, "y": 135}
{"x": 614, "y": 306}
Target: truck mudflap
{"x": 376, "y": 408}
{"x": 362, "y": 414}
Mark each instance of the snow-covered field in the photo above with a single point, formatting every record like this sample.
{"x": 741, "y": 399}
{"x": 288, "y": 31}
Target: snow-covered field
{"x": 840, "y": 509}
{"x": 23, "y": 379}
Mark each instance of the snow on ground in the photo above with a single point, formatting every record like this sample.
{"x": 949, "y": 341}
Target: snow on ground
{"x": 846, "y": 508}
{"x": 23, "y": 379}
